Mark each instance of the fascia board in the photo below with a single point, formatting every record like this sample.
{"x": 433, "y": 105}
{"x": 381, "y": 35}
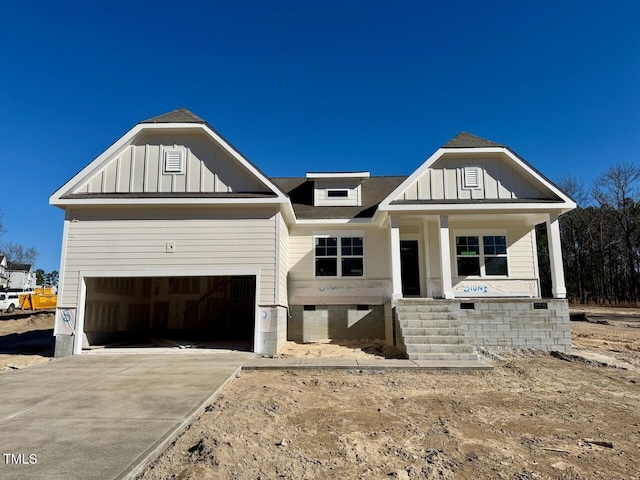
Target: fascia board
{"x": 334, "y": 221}
{"x": 167, "y": 201}
{"x": 539, "y": 177}
{"x": 248, "y": 165}
{"x": 412, "y": 178}
{"x": 483, "y": 207}
{"x": 93, "y": 165}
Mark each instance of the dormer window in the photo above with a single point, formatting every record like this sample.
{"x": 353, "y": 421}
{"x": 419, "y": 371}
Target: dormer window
{"x": 337, "y": 189}
{"x": 344, "y": 193}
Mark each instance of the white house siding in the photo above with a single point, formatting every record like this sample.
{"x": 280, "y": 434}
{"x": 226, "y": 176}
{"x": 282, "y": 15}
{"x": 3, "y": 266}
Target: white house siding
{"x": 322, "y": 187}
{"x": 520, "y": 254}
{"x": 373, "y": 288}
{"x": 499, "y": 180}
{"x": 138, "y": 168}
{"x": 136, "y": 240}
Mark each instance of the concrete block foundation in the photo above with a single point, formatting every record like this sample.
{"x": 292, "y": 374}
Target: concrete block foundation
{"x": 320, "y": 322}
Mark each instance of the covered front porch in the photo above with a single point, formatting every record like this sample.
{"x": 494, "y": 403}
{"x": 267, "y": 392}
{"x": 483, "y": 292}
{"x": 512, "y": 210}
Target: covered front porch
{"x": 463, "y": 255}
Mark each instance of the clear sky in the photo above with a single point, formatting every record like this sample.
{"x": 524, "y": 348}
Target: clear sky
{"x": 300, "y": 86}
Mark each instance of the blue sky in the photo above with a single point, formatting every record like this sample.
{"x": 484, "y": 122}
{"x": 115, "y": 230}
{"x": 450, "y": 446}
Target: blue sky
{"x": 300, "y": 86}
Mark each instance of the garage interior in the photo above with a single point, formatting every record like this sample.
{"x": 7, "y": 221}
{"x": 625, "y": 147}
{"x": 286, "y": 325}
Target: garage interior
{"x": 178, "y": 312}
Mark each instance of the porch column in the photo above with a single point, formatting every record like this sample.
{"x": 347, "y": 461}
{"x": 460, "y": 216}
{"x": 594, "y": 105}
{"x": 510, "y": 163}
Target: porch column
{"x": 396, "y": 272}
{"x": 555, "y": 257}
{"x": 445, "y": 257}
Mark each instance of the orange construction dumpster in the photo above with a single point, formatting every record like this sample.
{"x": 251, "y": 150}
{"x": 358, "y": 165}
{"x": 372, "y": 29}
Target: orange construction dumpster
{"x": 39, "y": 299}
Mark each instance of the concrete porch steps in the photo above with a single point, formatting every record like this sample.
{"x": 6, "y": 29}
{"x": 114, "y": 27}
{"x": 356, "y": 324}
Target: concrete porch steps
{"x": 431, "y": 332}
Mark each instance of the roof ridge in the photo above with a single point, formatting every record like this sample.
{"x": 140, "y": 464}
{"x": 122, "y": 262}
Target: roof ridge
{"x": 180, "y": 115}
{"x": 468, "y": 140}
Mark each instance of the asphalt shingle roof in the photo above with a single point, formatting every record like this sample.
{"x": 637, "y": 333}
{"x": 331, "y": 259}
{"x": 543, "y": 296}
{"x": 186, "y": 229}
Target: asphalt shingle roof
{"x": 181, "y": 115}
{"x": 300, "y": 190}
{"x": 467, "y": 140}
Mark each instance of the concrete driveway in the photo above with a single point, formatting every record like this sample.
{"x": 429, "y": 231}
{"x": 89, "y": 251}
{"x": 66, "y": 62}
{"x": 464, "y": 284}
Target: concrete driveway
{"x": 100, "y": 416}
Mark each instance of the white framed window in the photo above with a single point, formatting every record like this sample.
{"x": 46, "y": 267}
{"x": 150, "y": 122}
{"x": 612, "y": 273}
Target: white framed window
{"x": 338, "y": 255}
{"x": 481, "y": 255}
{"x": 173, "y": 161}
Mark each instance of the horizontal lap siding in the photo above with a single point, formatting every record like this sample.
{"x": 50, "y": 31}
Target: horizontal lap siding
{"x": 301, "y": 254}
{"x": 519, "y": 239}
{"x": 205, "y": 243}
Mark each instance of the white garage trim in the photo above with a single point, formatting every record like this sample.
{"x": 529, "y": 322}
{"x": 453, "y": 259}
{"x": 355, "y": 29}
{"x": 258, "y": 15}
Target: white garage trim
{"x": 82, "y": 292}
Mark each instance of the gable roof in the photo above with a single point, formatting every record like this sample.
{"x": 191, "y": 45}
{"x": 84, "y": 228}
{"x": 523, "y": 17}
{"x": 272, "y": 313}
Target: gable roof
{"x": 300, "y": 191}
{"x": 467, "y": 140}
{"x": 176, "y": 119}
{"x": 19, "y": 267}
{"x": 181, "y": 115}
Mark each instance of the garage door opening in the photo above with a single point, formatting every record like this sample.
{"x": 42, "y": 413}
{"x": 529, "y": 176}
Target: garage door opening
{"x": 178, "y": 312}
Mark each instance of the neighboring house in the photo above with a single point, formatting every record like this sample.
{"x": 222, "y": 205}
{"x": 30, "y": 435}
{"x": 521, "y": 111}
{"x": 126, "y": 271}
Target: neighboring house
{"x": 172, "y": 231}
{"x": 4, "y": 277}
{"x": 21, "y": 276}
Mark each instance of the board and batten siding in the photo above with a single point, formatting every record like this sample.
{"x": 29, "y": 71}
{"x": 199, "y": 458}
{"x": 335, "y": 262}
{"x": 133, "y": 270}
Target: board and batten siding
{"x": 135, "y": 240}
{"x": 138, "y": 168}
{"x": 498, "y": 180}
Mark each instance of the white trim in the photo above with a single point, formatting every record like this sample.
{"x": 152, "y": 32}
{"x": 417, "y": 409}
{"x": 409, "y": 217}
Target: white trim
{"x": 336, "y": 221}
{"x": 536, "y": 266}
{"x": 431, "y": 208}
{"x": 445, "y": 257}
{"x": 171, "y": 201}
{"x": 339, "y": 234}
{"x": 337, "y": 175}
{"x": 480, "y": 232}
{"x": 162, "y": 272}
{"x": 427, "y": 255}
{"x": 63, "y": 260}
{"x": 558, "y": 287}
{"x": 276, "y": 283}
{"x": 394, "y": 245}
{"x": 417, "y": 237}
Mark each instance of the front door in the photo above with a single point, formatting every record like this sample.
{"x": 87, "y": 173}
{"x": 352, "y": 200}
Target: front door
{"x": 409, "y": 267}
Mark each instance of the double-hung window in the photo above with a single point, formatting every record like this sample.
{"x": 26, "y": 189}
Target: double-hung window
{"x": 339, "y": 256}
{"x": 481, "y": 256}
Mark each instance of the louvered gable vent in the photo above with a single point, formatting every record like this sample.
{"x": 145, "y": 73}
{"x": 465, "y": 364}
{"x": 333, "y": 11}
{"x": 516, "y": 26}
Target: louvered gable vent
{"x": 173, "y": 161}
{"x": 471, "y": 177}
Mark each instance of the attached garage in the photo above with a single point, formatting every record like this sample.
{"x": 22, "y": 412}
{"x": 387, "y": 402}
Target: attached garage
{"x": 194, "y": 311}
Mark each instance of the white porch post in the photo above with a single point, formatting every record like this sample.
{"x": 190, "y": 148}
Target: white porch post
{"x": 396, "y": 272}
{"x": 555, "y": 257}
{"x": 445, "y": 257}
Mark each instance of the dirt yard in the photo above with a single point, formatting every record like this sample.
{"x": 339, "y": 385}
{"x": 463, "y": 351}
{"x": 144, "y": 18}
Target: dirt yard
{"x": 26, "y": 338}
{"x": 533, "y": 416}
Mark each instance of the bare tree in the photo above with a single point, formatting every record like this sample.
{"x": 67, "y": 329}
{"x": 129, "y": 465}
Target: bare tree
{"x": 617, "y": 192}
{"x": 17, "y": 253}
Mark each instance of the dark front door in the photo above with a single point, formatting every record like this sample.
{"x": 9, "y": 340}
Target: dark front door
{"x": 409, "y": 266}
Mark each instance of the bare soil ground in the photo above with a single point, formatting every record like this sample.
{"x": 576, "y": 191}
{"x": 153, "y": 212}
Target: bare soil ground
{"x": 533, "y": 416}
{"x": 26, "y": 338}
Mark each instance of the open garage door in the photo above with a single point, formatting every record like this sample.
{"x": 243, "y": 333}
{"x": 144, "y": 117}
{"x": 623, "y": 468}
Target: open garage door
{"x": 183, "y": 312}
